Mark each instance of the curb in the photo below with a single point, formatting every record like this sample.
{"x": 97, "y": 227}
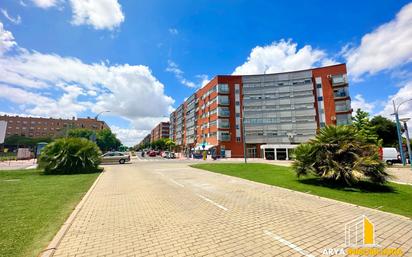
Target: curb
{"x": 52, "y": 247}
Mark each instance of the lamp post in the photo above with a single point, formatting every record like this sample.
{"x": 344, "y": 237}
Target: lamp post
{"x": 408, "y": 144}
{"x": 398, "y": 128}
{"x": 97, "y": 116}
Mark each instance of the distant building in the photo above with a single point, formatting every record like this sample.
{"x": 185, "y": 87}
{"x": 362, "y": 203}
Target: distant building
{"x": 145, "y": 140}
{"x": 47, "y": 127}
{"x": 275, "y": 111}
{"x": 160, "y": 131}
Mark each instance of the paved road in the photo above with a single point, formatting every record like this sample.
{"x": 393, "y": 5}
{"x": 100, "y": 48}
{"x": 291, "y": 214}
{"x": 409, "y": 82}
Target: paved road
{"x": 166, "y": 208}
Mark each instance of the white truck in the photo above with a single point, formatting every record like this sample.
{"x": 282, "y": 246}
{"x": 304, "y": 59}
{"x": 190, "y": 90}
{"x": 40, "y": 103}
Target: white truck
{"x": 390, "y": 155}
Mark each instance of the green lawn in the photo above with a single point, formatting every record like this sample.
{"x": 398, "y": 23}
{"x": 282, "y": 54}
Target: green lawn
{"x": 392, "y": 197}
{"x": 33, "y": 206}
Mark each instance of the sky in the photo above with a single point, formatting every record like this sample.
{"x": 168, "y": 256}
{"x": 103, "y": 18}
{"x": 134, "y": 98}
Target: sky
{"x": 141, "y": 59}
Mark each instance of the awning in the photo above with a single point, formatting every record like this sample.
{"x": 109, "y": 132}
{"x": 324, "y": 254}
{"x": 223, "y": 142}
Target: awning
{"x": 207, "y": 147}
{"x": 277, "y": 146}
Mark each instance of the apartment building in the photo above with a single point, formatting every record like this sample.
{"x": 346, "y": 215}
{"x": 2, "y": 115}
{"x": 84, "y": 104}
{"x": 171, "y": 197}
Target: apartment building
{"x": 269, "y": 113}
{"x": 47, "y": 127}
{"x": 160, "y": 131}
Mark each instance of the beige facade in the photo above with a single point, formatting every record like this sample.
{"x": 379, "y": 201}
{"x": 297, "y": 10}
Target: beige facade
{"x": 47, "y": 127}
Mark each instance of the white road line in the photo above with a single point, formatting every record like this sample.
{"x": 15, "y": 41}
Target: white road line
{"x": 177, "y": 183}
{"x": 212, "y": 202}
{"x": 287, "y": 243}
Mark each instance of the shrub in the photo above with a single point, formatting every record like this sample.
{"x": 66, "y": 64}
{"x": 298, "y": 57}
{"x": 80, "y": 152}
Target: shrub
{"x": 340, "y": 154}
{"x": 70, "y": 156}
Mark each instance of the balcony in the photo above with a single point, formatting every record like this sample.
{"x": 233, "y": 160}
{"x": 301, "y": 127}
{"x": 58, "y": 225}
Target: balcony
{"x": 339, "y": 80}
{"x": 223, "y": 100}
{"x": 224, "y": 137}
{"x": 341, "y": 93}
{"x": 342, "y": 107}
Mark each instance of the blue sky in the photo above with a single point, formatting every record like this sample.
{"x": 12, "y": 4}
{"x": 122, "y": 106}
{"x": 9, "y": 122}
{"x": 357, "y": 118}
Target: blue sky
{"x": 140, "y": 59}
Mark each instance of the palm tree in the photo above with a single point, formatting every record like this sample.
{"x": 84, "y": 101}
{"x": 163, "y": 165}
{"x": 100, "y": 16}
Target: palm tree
{"x": 340, "y": 153}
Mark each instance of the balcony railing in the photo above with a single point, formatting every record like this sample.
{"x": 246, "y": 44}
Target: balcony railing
{"x": 224, "y": 137}
{"x": 339, "y": 80}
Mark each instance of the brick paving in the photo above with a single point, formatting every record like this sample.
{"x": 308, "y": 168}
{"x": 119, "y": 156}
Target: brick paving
{"x": 166, "y": 208}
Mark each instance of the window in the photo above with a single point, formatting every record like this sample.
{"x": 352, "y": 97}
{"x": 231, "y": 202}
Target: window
{"x": 320, "y": 98}
{"x": 223, "y": 88}
{"x": 319, "y": 85}
{"x": 237, "y": 103}
{"x": 237, "y": 139}
{"x": 224, "y": 123}
{"x": 224, "y": 112}
{"x": 237, "y": 115}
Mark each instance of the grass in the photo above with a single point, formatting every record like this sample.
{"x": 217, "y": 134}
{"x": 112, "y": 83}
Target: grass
{"x": 391, "y": 197}
{"x": 33, "y": 206}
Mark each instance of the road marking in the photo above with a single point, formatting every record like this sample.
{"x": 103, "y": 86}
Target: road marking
{"x": 287, "y": 243}
{"x": 212, "y": 202}
{"x": 177, "y": 183}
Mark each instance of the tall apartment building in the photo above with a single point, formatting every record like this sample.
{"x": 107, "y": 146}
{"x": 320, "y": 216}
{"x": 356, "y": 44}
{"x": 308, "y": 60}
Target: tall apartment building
{"x": 160, "y": 131}
{"x": 271, "y": 112}
{"x": 47, "y": 127}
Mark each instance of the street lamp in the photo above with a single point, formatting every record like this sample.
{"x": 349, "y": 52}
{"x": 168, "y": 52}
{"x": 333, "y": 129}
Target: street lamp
{"x": 97, "y": 116}
{"x": 408, "y": 144}
{"x": 398, "y": 128}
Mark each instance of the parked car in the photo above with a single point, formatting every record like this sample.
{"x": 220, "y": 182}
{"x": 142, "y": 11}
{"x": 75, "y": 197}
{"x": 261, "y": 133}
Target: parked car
{"x": 114, "y": 157}
{"x": 389, "y": 155}
{"x": 152, "y": 153}
{"x": 165, "y": 153}
{"x": 170, "y": 155}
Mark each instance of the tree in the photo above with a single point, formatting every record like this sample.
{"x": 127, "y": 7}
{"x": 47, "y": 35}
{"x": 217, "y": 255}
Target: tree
{"x": 17, "y": 140}
{"x": 80, "y": 133}
{"x": 364, "y": 127}
{"x": 70, "y": 156}
{"x": 107, "y": 141}
{"x": 342, "y": 154}
{"x": 385, "y": 129}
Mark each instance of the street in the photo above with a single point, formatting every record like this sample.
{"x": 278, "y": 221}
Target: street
{"x": 166, "y": 208}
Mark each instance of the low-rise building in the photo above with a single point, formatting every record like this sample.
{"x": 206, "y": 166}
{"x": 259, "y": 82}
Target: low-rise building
{"x": 47, "y": 127}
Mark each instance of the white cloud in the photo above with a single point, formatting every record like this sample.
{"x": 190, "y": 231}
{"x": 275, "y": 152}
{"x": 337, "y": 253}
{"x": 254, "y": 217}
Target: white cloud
{"x": 129, "y": 91}
{"x": 360, "y": 103}
{"x": 281, "y": 56}
{"x": 386, "y": 47}
{"x": 173, "y": 31}
{"x": 129, "y": 136}
{"x": 101, "y": 14}
{"x": 68, "y": 87}
{"x": 15, "y": 20}
{"x": 6, "y": 40}
{"x": 405, "y": 110}
{"x": 39, "y": 105}
{"x": 204, "y": 79}
{"x": 44, "y": 3}
{"x": 172, "y": 67}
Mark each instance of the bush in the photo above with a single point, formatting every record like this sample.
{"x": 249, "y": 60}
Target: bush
{"x": 70, "y": 156}
{"x": 340, "y": 154}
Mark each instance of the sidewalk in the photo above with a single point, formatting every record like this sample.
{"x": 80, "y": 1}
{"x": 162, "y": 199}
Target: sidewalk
{"x": 16, "y": 165}
{"x": 401, "y": 174}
